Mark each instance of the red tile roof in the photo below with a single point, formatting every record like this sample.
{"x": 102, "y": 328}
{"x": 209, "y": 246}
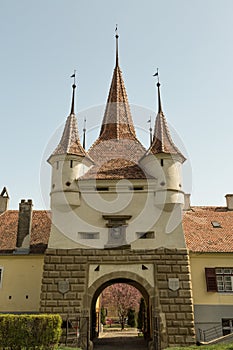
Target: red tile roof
{"x": 116, "y": 159}
{"x": 117, "y": 150}
{"x": 70, "y": 143}
{"x": 200, "y": 234}
{"x": 41, "y": 223}
{"x": 162, "y": 141}
{"x": 115, "y": 169}
{"x": 117, "y": 122}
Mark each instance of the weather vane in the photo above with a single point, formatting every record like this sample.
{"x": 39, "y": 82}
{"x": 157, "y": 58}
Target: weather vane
{"x": 157, "y": 74}
{"x": 74, "y": 76}
{"x": 116, "y": 31}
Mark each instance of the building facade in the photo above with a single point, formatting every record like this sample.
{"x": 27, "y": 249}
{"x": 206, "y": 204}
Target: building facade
{"x": 119, "y": 215}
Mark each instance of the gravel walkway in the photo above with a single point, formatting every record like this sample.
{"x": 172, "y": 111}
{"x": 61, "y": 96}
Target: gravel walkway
{"x": 120, "y": 341}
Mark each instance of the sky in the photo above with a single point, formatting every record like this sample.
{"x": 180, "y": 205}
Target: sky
{"x": 42, "y": 42}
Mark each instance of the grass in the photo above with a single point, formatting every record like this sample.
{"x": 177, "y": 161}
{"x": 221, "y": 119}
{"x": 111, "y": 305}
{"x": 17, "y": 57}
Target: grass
{"x": 202, "y": 347}
{"x": 67, "y": 348}
{"x": 205, "y": 347}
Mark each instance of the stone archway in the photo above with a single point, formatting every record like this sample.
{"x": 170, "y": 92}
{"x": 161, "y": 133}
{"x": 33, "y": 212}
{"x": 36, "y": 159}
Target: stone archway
{"x": 72, "y": 279}
{"x": 133, "y": 279}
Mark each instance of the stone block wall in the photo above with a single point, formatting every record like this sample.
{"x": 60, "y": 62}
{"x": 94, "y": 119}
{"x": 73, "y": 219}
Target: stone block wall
{"x": 173, "y": 307}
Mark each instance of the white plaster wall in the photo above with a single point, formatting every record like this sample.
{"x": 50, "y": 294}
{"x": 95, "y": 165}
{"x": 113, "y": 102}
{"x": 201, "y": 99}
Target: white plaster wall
{"x": 146, "y": 216}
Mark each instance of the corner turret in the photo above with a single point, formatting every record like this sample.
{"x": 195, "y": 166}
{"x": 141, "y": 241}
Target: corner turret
{"x": 69, "y": 161}
{"x": 163, "y": 161}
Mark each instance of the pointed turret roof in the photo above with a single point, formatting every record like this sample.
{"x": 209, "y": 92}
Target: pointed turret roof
{"x": 117, "y": 150}
{"x": 117, "y": 122}
{"x": 70, "y": 142}
{"x": 162, "y": 141}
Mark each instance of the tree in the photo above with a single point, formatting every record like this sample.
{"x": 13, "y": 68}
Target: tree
{"x": 102, "y": 316}
{"x": 131, "y": 318}
{"x": 123, "y": 297}
{"x": 141, "y": 315}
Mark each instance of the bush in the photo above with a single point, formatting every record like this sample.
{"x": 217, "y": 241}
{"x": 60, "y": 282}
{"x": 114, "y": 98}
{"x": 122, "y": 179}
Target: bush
{"x": 29, "y": 331}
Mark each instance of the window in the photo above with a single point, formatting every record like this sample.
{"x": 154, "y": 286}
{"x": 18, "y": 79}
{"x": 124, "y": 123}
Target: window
{"x": 219, "y": 279}
{"x": 100, "y": 189}
{"x": 216, "y": 224}
{"x": 136, "y": 188}
{"x": 71, "y": 164}
{"x": 88, "y": 235}
{"x": 1, "y": 274}
{"x": 146, "y": 235}
{"x": 227, "y": 326}
{"x": 224, "y": 277}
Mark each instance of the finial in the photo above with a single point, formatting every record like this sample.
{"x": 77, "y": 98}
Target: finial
{"x": 84, "y": 133}
{"x": 150, "y": 130}
{"x": 116, "y": 36}
{"x": 73, "y": 94}
{"x": 158, "y": 85}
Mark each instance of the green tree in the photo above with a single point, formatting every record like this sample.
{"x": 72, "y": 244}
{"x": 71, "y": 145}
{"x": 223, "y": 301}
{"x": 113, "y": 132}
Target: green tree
{"x": 131, "y": 318}
{"x": 103, "y": 315}
{"x": 141, "y": 315}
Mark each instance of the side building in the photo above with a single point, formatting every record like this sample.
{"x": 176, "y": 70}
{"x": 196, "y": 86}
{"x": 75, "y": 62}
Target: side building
{"x": 209, "y": 238}
{"x": 24, "y": 235}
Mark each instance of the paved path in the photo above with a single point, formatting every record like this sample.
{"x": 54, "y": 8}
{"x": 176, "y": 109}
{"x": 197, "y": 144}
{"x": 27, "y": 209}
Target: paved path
{"x": 120, "y": 341}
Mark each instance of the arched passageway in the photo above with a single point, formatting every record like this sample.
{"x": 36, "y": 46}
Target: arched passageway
{"x": 121, "y": 339}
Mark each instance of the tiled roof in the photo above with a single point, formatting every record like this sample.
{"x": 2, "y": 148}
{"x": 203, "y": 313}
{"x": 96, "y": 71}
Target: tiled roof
{"x": 116, "y": 159}
{"x": 70, "y": 143}
{"x": 117, "y": 122}
{"x": 115, "y": 169}
{"x": 117, "y": 150}
{"x": 200, "y": 234}
{"x": 162, "y": 141}
{"x": 41, "y": 223}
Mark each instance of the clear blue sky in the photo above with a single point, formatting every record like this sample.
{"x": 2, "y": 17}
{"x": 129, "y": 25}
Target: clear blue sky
{"x": 42, "y": 42}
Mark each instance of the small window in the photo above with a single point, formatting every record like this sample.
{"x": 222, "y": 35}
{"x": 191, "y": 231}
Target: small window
{"x": 227, "y": 326}
{"x": 146, "y": 235}
{"x": 1, "y": 274}
{"x": 136, "y": 188}
{"x": 88, "y": 235}
{"x": 57, "y": 165}
{"x": 100, "y": 189}
{"x": 71, "y": 164}
{"x": 161, "y": 162}
{"x": 216, "y": 224}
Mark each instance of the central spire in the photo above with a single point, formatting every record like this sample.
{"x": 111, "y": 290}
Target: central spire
{"x": 117, "y": 122}
{"x": 117, "y": 36}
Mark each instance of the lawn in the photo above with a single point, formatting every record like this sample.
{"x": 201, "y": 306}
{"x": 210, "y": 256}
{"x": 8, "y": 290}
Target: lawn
{"x": 67, "y": 348}
{"x": 205, "y": 347}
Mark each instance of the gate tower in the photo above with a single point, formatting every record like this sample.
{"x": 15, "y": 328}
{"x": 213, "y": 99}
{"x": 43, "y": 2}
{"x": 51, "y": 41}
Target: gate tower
{"x": 117, "y": 217}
